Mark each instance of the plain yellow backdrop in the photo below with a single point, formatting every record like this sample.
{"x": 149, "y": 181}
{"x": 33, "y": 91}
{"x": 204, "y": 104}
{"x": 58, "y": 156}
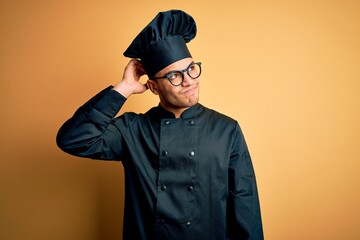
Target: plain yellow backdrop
{"x": 288, "y": 71}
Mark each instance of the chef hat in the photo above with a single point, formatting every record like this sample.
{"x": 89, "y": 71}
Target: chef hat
{"x": 163, "y": 41}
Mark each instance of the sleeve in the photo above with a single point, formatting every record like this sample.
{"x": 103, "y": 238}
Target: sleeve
{"x": 90, "y": 132}
{"x": 243, "y": 212}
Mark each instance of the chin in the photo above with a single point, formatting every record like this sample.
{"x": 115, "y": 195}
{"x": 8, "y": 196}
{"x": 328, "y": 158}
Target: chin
{"x": 193, "y": 100}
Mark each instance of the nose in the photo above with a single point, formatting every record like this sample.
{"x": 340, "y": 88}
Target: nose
{"x": 187, "y": 80}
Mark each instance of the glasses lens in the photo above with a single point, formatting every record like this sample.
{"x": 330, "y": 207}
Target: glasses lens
{"x": 175, "y": 78}
{"x": 194, "y": 70}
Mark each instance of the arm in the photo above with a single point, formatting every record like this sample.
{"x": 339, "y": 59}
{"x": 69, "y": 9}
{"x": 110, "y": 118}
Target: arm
{"x": 244, "y": 218}
{"x": 90, "y": 132}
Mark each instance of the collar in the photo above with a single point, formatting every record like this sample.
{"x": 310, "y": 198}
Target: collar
{"x": 160, "y": 113}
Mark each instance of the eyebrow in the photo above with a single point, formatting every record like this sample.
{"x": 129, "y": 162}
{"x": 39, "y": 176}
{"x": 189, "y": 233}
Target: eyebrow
{"x": 177, "y": 70}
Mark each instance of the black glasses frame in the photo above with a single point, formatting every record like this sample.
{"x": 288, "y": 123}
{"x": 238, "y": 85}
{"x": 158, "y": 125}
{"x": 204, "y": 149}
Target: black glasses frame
{"x": 181, "y": 72}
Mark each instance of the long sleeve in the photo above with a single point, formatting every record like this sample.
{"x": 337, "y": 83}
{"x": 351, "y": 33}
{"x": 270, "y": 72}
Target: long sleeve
{"x": 89, "y": 132}
{"x": 244, "y": 218}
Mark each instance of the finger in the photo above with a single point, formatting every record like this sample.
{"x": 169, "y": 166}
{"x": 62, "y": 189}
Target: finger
{"x": 139, "y": 65}
{"x": 139, "y": 72}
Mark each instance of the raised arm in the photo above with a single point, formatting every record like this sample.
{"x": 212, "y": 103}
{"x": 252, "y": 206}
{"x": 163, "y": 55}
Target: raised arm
{"x": 90, "y": 132}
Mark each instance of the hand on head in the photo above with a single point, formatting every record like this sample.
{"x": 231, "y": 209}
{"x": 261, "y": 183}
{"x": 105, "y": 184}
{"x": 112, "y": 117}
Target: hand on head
{"x": 130, "y": 82}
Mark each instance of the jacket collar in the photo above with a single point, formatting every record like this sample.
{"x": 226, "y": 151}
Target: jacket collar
{"x": 160, "y": 113}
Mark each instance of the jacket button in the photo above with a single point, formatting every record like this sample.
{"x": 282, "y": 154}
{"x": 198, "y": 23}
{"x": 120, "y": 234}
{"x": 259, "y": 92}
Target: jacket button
{"x": 191, "y": 153}
{"x": 160, "y": 220}
{"x": 190, "y": 188}
{"x": 167, "y": 122}
{"x": 191, "y": 122}
{"x": 165, "y": 153}
{"x": 163, "y": 188}
{"x": 188, "y": 224}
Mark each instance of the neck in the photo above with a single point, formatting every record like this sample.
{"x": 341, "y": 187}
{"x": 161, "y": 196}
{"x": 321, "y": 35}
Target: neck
{"x": 176, "y": 111}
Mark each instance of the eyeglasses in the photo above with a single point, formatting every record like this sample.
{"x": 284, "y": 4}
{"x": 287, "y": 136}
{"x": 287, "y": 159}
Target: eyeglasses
{"x": 176, "y": 77}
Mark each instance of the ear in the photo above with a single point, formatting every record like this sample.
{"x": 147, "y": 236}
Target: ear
{"x": 153, "y": 86}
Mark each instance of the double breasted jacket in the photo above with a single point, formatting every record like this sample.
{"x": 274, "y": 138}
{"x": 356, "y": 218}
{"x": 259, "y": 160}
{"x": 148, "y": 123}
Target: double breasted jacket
{"x": 185, "y": 178}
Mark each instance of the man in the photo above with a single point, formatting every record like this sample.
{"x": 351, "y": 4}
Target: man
{"x": 188, "y": 172}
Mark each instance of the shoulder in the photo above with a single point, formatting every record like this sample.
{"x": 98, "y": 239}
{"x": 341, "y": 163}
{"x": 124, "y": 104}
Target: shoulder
{"x": 212, "y": 119}
{"x": 214, "y": 115}
{"x": 129, "y": 119}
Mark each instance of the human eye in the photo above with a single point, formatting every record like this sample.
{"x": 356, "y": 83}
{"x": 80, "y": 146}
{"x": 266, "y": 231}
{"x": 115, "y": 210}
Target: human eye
{"x": 193, "y": 67}
{"x": 173, "y": 76}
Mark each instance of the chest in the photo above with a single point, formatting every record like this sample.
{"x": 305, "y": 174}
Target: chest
{"x": 183, "y": 147}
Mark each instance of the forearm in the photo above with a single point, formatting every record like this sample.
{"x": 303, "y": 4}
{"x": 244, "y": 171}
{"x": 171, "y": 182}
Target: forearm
{"x": 83, "y": 134}
{"x": 89, "y": 132}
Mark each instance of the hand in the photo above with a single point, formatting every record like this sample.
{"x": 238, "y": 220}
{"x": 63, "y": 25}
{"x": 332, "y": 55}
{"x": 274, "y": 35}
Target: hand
{"x": 130, "y": 82}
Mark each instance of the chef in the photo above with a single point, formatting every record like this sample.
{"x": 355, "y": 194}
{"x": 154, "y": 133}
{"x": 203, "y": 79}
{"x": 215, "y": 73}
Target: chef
{"x": 188, "y": 171}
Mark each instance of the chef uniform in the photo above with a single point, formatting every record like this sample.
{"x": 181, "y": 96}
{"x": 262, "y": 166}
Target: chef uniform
{"x": 185, "y": 178}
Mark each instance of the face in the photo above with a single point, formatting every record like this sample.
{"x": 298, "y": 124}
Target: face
{"x": 176, "y": 99}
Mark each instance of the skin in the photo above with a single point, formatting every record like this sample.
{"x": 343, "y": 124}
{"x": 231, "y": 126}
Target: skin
{"x": 173, "y": 99}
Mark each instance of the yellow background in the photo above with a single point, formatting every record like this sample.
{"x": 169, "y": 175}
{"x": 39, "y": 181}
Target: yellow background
{"x": 288, "y": 71}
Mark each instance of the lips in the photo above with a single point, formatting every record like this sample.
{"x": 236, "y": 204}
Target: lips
{"x": 190, "y": 90}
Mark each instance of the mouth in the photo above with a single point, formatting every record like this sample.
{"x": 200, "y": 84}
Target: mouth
{"x": 190, "y": 91}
